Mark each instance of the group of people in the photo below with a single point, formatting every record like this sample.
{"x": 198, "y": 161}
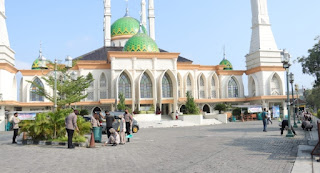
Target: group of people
{"x": 116, "y": 135}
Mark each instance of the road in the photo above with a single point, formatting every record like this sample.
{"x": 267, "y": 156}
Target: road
{"x": 234, "y": 147}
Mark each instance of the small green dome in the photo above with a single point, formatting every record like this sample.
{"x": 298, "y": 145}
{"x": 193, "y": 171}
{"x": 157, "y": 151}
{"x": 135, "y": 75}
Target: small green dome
{"x": 36, "y": 65}
{"x": 141, "y": 42}
{"x": 227, "y": 65}
{"x": 126, "y": 26}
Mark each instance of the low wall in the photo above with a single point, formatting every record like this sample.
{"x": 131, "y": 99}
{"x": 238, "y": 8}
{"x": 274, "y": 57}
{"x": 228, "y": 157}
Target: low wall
{"x": 220, "y": 117}
{"x": 147, "y": 117}
{"x": 197, "y": 119}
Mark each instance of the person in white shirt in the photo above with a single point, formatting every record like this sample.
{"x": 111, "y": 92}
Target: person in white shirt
{"x": 269, "y": 117}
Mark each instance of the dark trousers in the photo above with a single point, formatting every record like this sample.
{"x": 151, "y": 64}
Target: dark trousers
{"x": 15, "y": 134}
{"x": 264, "y": 124}
{"x": 283, "y": 126}
{"x": 108, "y": 132}
{"x": 70, "y": 136}
{"x": 128, "y": 129}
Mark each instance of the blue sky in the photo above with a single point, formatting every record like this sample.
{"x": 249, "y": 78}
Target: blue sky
{"x": 196, "y": 29}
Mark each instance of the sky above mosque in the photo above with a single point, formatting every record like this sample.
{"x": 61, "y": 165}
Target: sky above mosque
{"x": 197, "y": 29}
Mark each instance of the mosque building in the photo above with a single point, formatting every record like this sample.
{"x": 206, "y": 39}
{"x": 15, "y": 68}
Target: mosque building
{"x": 131, "y": 63}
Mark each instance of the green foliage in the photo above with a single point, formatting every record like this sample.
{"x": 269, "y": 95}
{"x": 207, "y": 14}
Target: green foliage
{"x": 318, "y": 113}
{"x": 312, "y": 98}
{"x": 311, "y": 63}
{"x": 51, "y": 125}
{"x": 74, "y": 139}
{"x": 236, "y": 112}
{"x": 129, "y": 109}
{"x": 69, "y": 89}
{"x": 191, "y": 106}
{"x": 220, "y": 107}
{"x": 121, "y": 106}
{"x": 84, "y": 112}
{"x": 152, "y": 108}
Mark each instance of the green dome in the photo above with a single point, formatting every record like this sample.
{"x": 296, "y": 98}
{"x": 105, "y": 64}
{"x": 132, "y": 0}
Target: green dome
{"x": 141, "y": 43}
{"x": 35, "y": 65}
{"x": 227, "y": 65}
{"x": 126, "y": 26}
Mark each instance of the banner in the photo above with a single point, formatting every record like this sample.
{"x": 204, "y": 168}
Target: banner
{"x": 27, "y": 116}
{"x": 254, "y": 109}
{"x": 276, "y": 111}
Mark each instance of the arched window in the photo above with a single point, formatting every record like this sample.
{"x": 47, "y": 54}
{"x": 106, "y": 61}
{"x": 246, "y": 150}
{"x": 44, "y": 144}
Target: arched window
{"x": 34, "y": 88}
{"x": 275, "y": 86}
{"x": 233, "y": 88}
{"x": 90, "y": 92}
{"x": 103, "y": 87}
{"x": 213, "y": 88}
{"x": 201, "y": 88}
{"x": 146, "y": 86}
{"x": 125, "y": 85}
{"x": 166, "y": 86}
{"x": 189, "y": 85}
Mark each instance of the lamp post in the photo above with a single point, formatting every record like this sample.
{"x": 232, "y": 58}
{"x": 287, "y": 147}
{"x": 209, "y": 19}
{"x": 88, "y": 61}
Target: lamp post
{"x": 291, "y": 76}
{"x": 298, "y": 106}
{"x": 286, "y": 66}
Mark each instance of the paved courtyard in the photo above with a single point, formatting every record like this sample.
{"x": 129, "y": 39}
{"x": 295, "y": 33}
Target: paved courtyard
{"x": 233, "y": 147}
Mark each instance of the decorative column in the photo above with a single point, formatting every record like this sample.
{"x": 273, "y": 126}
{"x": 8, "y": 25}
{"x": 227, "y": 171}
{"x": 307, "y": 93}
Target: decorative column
{"x": 152, "y": 33}
{"x": 143, "y": 13}
{"x": 2, "y": 118}
{"x": 107, "y": 23}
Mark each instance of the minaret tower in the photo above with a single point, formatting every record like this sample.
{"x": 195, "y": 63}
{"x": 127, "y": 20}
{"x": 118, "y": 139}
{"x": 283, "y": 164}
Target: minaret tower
{"x": 143, "y": 13}
{"x": 107, "y": 23}
{"x": 264, "y": 67}
{"x": 6, "y": 53}
{"x": 152, "y": 33}
{"x": 8, "y": 83}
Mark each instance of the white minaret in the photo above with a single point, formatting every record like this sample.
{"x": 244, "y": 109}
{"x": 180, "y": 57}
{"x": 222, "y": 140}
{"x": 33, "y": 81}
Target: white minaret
{"x": 6, "y": 53}
{"x": 264, "y": 67}
{"x": 152, "y": 33}
{"x": 143, "y": 13}
{"x": 107, "y": 23}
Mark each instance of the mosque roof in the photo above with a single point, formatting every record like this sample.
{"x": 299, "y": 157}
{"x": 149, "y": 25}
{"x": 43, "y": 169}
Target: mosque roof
{"x": 101, "y": 54}
{"x": 126, "y": 26}
{"x": 141, "y": 42}
{"x": 227, "y": 64}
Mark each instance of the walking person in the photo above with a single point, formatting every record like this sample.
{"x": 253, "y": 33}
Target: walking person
{"x": 15, "y": 125}
{"x": 269, "y": 117}
{"x": 122, "y": 130}
{"x": 71, "y": 125}
{"x": 109, "y": 120}
{"x": 264, "y": 119}
{"x": 128, "y": 118}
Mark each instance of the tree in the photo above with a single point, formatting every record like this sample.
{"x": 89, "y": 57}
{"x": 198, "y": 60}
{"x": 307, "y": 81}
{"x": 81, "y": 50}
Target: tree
{"x": 121, "y": 106}
{"x": 220, "y": 107}
{"x": 311, "y": 63}
{"x": 191, "y": 106}
{"x": 69, "y": 89}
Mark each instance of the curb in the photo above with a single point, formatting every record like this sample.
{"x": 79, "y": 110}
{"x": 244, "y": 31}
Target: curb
{"x": 32, "y": 142}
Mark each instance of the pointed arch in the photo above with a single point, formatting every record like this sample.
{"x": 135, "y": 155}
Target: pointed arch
{"x": 202, "y": 86}
{"x": 275, "y": 84}
{"x": 90, "y": 90}
{"x": 34, "y": 88}
{"x": 213, "y": 83}
{"x": 125, "y": 84}
{"x": 189, "y": 83}
{"x": 173, "y": 79}
{"x": 146, "y": 86}
{"x": 180, "y": 85}
{"x": 253, "y": 86}
{"x": 103, "y": 86}
{"x": 233, "y": 89}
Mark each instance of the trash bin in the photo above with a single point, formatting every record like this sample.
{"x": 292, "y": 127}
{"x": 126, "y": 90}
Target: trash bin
{"x": 97, "y": 132}
{"x": 259, "y": 116}
{"x": 8, "y": 126}
{"x": 234, "y": 119}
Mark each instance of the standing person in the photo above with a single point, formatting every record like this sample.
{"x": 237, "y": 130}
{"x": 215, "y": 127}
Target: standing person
{"x": 264, "y": 119}
{"x": 109, "y": 120}
{"x": 269, "y": 117}
{"x": 94, "y": 121}
{"x": 71, "y": 125}
{"x": 15, "y": 125}
{"x": 122, "y": 130}
{"x": 128, "y": 117}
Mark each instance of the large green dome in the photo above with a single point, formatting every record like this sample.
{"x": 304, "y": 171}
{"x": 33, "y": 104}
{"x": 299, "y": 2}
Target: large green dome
{"x": 227, "y": 65}
{"x": 126, "y": 26}
{"x": 141, "y": 42}
{"x": 36, "y": 65}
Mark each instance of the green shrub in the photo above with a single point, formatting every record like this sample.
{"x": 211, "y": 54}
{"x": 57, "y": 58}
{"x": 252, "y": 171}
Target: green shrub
{"x": 121, "y": 105}
{"x": 191, "y": 106}
{"x": 84, "y": 112}
{"x": 143, "y": 112}
{"x": 220, "y": 107}
{"x": 150, "y": 112}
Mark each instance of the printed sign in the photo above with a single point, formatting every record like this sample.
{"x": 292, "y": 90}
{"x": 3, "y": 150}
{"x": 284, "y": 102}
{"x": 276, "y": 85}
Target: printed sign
{"x": 27, "y": 116}
{"x": 254, "y": 109}
{"x": 276, "y": 111}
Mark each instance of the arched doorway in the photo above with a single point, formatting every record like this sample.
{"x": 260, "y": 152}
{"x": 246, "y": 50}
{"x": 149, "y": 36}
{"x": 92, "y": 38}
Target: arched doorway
{"x": 183, "y": 109}
{"x": 206, "y": 109}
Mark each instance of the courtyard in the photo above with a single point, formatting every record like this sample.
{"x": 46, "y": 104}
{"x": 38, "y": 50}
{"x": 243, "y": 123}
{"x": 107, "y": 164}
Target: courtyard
{"x": 232, "y": 147}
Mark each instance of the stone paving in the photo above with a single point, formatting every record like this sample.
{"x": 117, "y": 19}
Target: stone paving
{"x": 234, "y": 147}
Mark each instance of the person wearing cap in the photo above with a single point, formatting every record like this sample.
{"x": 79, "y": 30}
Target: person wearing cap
{"x": 15, "y": 123}
{"x": 71, "y": 125}
{"x": 114, "y": 138}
